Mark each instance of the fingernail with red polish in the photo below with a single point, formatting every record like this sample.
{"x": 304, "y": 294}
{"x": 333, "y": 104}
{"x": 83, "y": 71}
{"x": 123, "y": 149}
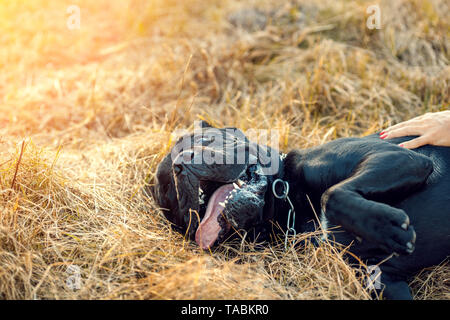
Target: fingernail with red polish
{"x": 383, "y": 136}
{"x": 382, "y": 132}
{"x": 401, "y": 145}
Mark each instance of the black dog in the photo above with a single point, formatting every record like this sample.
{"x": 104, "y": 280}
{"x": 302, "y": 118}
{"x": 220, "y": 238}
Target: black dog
{"x": 370, "y": 193}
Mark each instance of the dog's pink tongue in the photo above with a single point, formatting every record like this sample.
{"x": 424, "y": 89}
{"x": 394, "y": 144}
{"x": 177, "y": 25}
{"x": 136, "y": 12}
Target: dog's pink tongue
{"x": 209, "y": 227}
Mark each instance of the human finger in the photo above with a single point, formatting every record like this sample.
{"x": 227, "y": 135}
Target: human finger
{"x": 403, "y": 131}
{"x": 415, "y": 143}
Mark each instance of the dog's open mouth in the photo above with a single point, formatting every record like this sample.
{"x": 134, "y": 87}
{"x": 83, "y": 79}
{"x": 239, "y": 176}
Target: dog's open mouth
{"x": 214, "y": 222}
{"x": 239, "y": 205}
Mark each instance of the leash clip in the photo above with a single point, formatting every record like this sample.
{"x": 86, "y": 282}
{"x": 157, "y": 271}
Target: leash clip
{"x": 284, "y": 196}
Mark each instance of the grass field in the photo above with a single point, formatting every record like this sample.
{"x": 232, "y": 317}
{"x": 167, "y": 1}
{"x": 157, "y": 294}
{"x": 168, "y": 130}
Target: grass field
{"x": 87, "y": 113}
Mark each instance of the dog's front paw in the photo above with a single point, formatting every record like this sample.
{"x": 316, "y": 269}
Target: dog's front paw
{"x": 391, "y": 230}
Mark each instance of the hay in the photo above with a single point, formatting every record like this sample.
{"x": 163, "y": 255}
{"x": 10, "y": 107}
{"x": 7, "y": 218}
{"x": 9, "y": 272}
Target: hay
{"x": 87, "y": 114}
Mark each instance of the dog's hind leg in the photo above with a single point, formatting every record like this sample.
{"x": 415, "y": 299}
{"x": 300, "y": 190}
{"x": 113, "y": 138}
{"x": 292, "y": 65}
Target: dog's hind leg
{"x": 395, "y": 289}
{"x": 359, "y": 203}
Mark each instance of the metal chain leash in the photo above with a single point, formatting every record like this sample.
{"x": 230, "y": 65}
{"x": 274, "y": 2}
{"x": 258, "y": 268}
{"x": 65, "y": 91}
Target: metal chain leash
{"x": 291, "y": 214}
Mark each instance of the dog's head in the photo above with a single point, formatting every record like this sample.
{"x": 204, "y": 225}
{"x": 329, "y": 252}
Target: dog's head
{"x": 214, "y": 179}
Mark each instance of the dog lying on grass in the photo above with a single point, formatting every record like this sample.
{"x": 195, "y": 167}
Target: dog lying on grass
{"x": 389, "y": 203}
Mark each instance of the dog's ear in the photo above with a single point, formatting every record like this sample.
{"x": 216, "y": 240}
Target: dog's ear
{"x": 204, "y": 124}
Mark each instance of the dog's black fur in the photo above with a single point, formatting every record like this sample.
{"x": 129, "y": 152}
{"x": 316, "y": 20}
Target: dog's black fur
{"x": 363, "y": 188}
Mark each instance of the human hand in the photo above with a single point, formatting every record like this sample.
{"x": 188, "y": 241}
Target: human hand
{"x": 432, "y": 128}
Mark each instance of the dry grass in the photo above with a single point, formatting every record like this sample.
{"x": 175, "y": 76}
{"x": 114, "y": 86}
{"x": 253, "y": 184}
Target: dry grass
{"x": 87, "y": 114}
